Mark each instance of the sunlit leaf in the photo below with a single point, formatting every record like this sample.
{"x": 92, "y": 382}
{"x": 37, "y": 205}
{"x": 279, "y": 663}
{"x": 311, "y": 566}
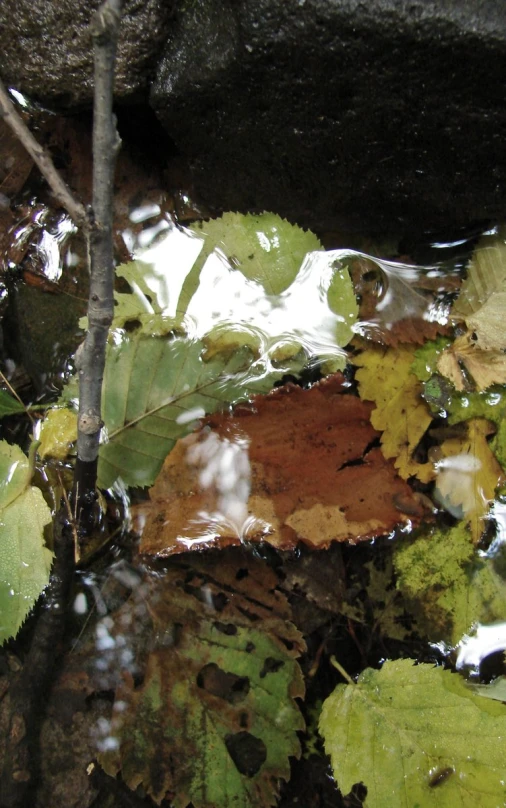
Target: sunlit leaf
{"x": 416, "y": 735}
{"x": 58, "y": 433}
{"x": 385, "y": 377}
{"x": 25, "y": 561}
{"x": 468, "y": 474}
{"x": 155, "y": 390}
{"x": 294, "y": 466}
{"x": 450, "y": 587}
{"x": 216, "y": 708}
{"x": 8, "y": 404}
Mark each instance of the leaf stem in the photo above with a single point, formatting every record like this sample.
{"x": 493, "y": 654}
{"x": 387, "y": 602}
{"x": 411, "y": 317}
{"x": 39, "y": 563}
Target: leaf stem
{"x": 337, "y": 665}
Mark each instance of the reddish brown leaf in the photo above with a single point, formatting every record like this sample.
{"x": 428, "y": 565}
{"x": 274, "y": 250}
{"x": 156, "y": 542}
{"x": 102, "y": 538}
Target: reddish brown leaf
{"x": 295, "y": 465}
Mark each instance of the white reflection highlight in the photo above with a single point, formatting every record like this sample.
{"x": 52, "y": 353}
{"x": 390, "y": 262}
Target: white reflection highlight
{"x": 485, "y": 641}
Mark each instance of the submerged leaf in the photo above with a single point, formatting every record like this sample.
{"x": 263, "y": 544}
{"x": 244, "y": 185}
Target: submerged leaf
{"x": 416, "y": 735}
{"x": 58, "y": 433}
{"x": 385, "y": 377}
{"x": 485, "y": 367}
{"x": 155, "y": 390}
{"x": 295, "y": 465}
{"x": 450, "y": 587}
{"x": 215, "y": 720}
{"x": 468, "y": 474}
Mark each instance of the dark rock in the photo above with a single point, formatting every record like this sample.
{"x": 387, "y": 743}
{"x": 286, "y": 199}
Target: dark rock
{"x": 47, "y": 50}
{"x": 387, "y": 115}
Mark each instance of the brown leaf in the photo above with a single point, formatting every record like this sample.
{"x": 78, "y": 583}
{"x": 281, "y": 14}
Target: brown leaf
{"x": 295, "y": 465}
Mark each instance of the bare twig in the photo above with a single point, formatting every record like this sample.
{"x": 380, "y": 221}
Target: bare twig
{"x": 43, "y": 160}
{"x": 91, "y": 355}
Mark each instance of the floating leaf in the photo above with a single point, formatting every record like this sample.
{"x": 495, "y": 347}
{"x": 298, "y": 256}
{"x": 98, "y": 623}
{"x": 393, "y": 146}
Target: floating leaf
{"x": 58, "y": 433}
{"x": 9, "y": 405}
{"x": 468, "y": 474}
{"x": 450, "y": 587}
{"x": 416, "y": 735}
{"x": 155, "y": 390}
{"x": 24, "y": 560}
{"x": 295, "y": 465}
{"x": 385, "y": 377}
{"x": 215, "y": 720}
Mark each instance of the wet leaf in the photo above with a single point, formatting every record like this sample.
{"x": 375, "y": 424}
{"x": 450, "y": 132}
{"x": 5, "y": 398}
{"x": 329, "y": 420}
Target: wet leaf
{"x": 468, "y": 474}
{"x": 155, "y": 390}
{"x": 490, "y": 404}
{"x": 9, "y": 405}
{"x": 24, "y": 560}
{"x": 400, "y": 732}
{"x": 484, "y": 367}
{"x": 295, "y": 465}
{"x": 482, "y": 300}
{"x": 385, "y": 377}
{"x": 495, "y": 690}
{"x": 450, "y": 587}
{"x": 214, "y": 721}
{"x": 58, "y": 433}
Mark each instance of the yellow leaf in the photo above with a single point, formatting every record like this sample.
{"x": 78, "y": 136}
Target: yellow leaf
{"x": 59, "y": 431}
{"x": 468, "y": 474}
{"x": 401, "y": 414}
{"x": 486, "y": 367}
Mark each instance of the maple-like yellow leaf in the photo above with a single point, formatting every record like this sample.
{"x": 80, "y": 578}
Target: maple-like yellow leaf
{"x": 486, "y": 367}
{"x": 385, "y": 377}
{"x": 468, "y": 474}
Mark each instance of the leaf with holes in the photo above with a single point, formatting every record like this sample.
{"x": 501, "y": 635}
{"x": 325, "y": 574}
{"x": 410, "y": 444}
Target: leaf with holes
{"x": 214, "y": 721}
{"x": 416, "y": 735}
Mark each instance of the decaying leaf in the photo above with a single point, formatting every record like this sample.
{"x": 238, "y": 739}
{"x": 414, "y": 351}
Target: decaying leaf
{"x": 485, "y": 367}
{"x": 214, "y": 720}
{"x": 450, "y": 587}
{"x": 468, "y": 474}
{"x": 385, "y": 377}
{"x": 482, "y": 300}
{"x": 295, "y": 465}
{"x": 416, "y": 735}
{"x": 25, "y": 561}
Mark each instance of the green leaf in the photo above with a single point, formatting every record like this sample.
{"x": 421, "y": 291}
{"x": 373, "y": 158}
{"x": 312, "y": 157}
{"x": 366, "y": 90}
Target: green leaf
{"x": 15, "y": 473}
{"x": 415, "y": 735}
{"x": 216, "y": 710}
{"x": 25, "y": 562}
{"x": 451, "y": 588}
{"x": 155, "y": 390}
{"x": 8, "y": 404}
{"x": 495, "y": 690}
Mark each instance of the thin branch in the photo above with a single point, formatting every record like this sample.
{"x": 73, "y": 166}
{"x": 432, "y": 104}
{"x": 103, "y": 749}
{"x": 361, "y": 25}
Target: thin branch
{"x": 91, "y": 355}
{"x": 43, "y": 160}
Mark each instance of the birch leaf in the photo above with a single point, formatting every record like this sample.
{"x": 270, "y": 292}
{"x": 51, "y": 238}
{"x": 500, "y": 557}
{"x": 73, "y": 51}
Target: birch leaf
{"x": 25, "y": 562}
{"x": 416, "y": 735}
{"x": 385, "y": 377}
{"x": 468, "y": 475}
{"x": 155, "y": 390}
{"x": 215, "y": 719}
